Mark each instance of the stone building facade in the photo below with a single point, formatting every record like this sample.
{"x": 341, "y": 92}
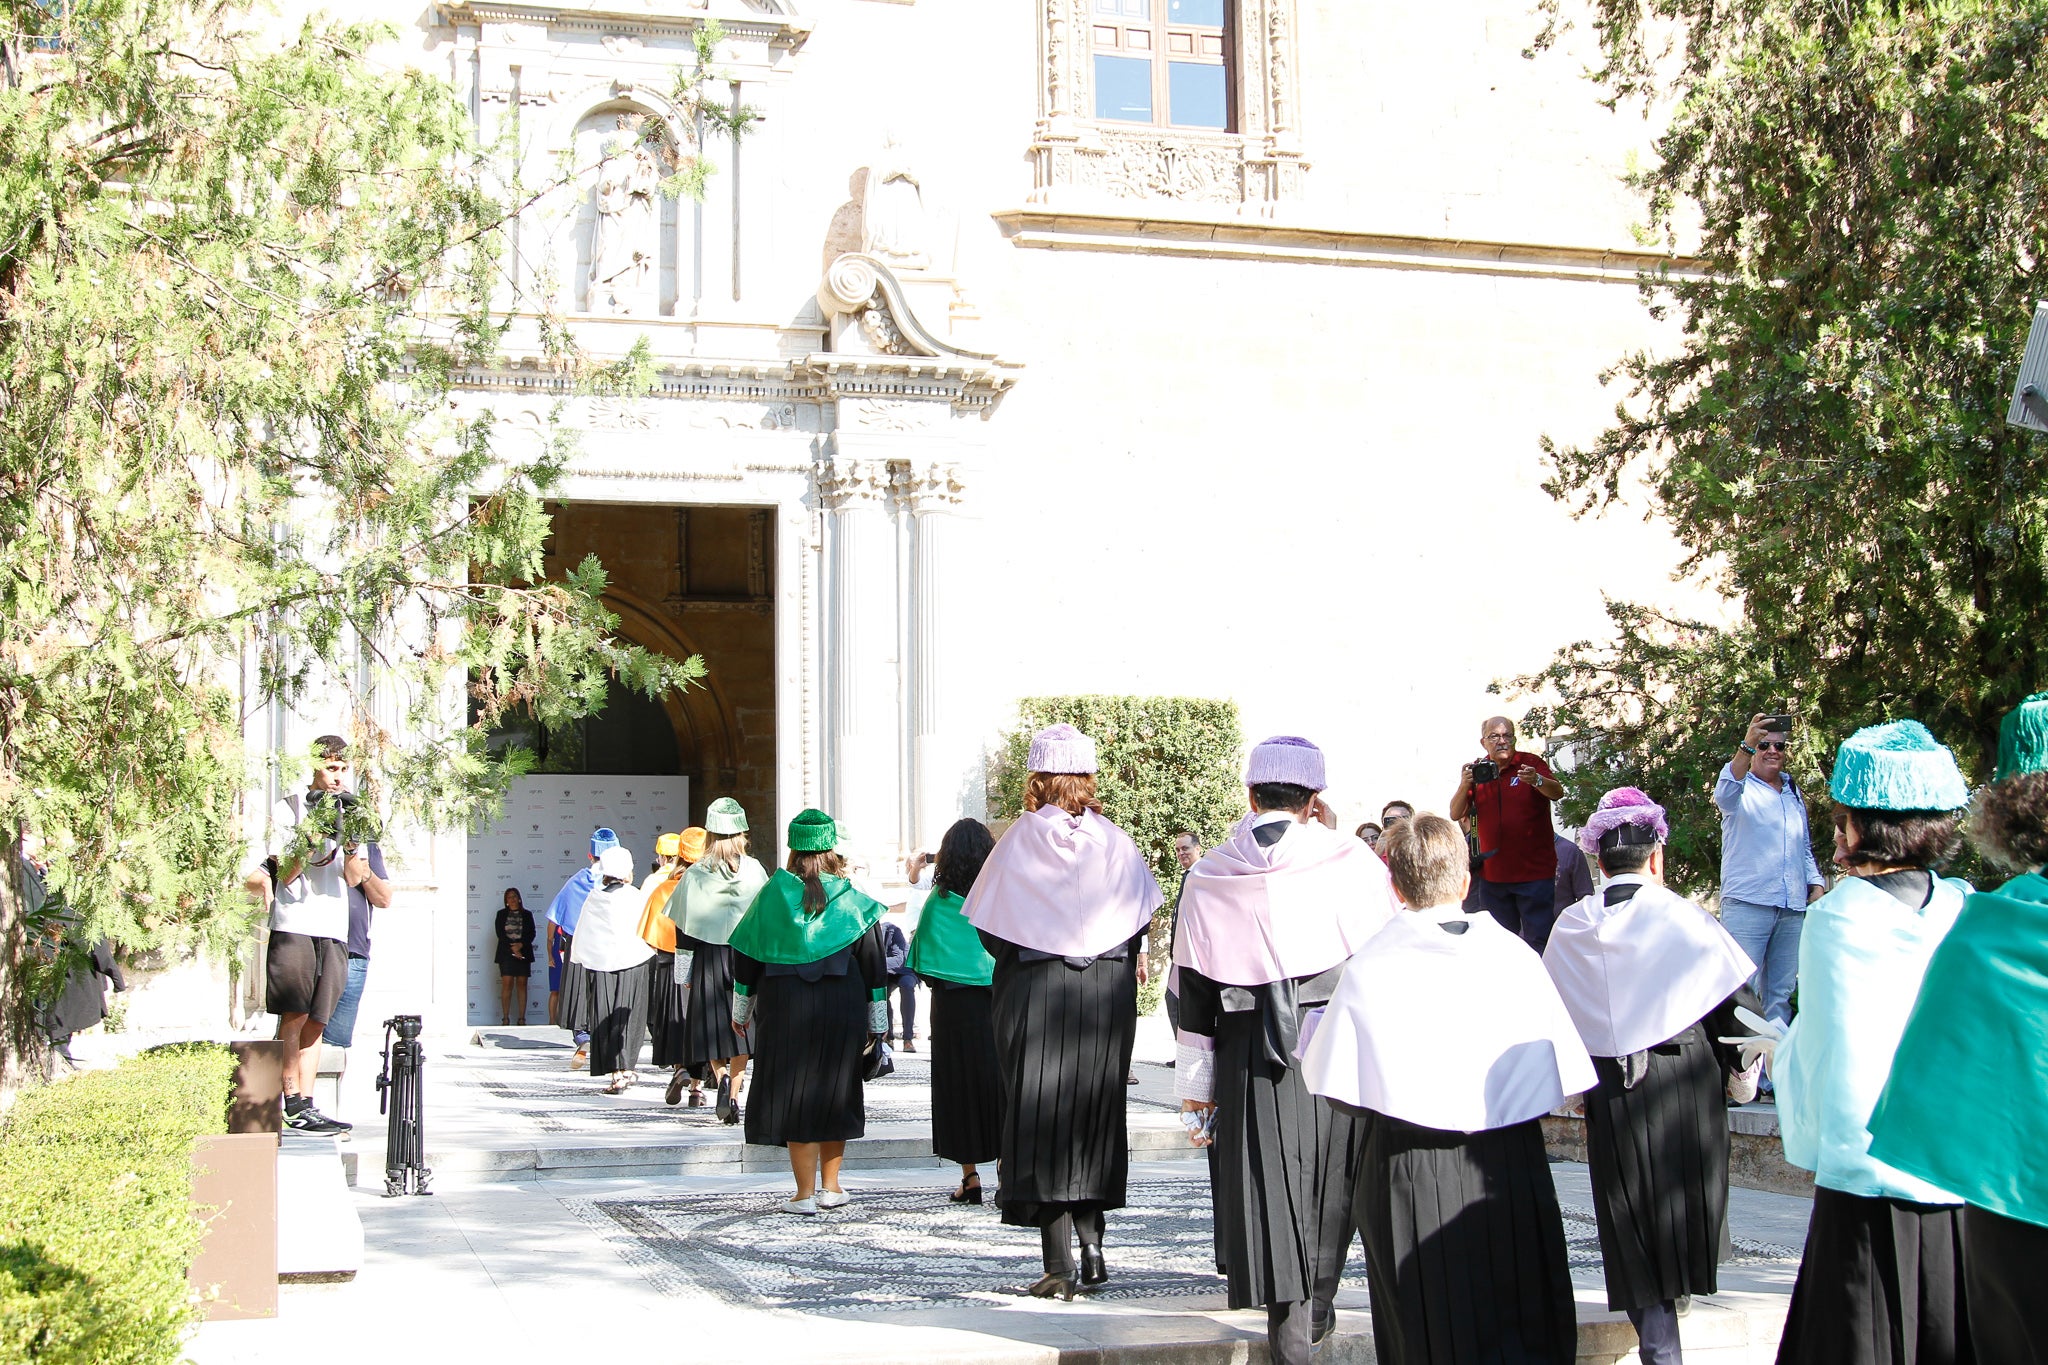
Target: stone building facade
{"x": 1059, "y": 346}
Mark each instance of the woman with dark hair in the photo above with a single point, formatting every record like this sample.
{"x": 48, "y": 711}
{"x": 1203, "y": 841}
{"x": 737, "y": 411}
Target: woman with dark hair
{"x": 967, "y": 1093}
{"x": 809, "y": 987}
{"x": 1063, "y": 905}
{"x": 1980, "y": 1024}
{"x": 1881, "y": 1279}
{"x": 707, "y": 906}
{"x": 515, "y": 955}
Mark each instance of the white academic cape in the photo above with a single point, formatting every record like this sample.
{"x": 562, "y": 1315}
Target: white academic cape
{"x": 1456, "y": 1031}
{"x": 1640, "y": 971}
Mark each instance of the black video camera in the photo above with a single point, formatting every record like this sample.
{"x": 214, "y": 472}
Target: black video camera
{"x": 1485, "y": 770}
{"x": 342, "y": 817}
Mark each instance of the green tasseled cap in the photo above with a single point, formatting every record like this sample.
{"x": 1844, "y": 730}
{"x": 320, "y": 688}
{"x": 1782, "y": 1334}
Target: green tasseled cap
{"x": 2023, "y": 738}
{"x": 812, "y": 832}
{"x": 725, "y": 816}
{"x": 1897, "y": 766}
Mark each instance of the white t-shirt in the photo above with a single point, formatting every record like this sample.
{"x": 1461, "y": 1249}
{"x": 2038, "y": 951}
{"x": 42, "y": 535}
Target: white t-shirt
{"x": 315, "y": 902}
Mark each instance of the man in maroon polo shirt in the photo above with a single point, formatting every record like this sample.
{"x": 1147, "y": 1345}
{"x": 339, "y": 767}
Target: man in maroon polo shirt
{"x": 1518, "y": 876}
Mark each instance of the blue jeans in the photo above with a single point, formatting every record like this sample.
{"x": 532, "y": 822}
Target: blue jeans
{"x": 1523, "y": 908}
{"x": 1770, "y": 936}
{"x": 341, "y": 1025}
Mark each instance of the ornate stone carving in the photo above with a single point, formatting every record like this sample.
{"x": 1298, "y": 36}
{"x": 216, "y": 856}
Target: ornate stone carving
{"x": 894, "y": 228}
{"x": 625, "y": 244}
{"x": 929, "y": 486}
{"x": 850, "y": 483}
{"x": 885, "y": 414}
{"x": 620, "y": 414}
{"x": 1077, "y": 158}
{"x": 881, "y": 330}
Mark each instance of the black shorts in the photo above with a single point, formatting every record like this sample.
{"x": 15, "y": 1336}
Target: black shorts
{"x": 306, "y": 974}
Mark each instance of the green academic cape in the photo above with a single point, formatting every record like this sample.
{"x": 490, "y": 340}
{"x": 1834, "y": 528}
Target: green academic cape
{"x": 776, "y": 929}
{"x": 1966, "y": 1106}
{"x": 946, "y": 947}
{"x": 709, "y": 903}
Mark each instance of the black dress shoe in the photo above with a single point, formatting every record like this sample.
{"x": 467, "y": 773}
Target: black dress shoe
{"x": 1052, "y": 1285}
{"x": 1093, "y": 1271}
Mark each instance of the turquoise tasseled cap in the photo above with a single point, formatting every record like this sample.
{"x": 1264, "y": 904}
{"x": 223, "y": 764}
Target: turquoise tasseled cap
{"x": 1897, "y": 766}
{"x": 2023, "y": 738}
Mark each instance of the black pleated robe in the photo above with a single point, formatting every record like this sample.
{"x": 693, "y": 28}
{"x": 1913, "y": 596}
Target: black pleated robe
{"x": 967, "y": 1085}
{"x": 1658, "y": 1154}
{"x": 1464, "y": 1246}
{"x": 808, "y": 1030}
{"x": 1064, "y": 1029}
{"x": 1881, "y": 1283}
{"x": 665, "y": 1011}
{"x": 1284, "y": 1162}
{"x": 707, "y": 1017}
{"x": 617, "y": 1002}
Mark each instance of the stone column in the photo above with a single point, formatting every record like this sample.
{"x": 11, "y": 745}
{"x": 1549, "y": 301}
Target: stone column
{"x": 862, "y": 749}
{"x": 930, "y": 492}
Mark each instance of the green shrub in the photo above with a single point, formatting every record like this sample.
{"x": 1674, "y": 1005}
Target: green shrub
{"x": 96, "y": 1225}
{"x": 1166, "y": 764}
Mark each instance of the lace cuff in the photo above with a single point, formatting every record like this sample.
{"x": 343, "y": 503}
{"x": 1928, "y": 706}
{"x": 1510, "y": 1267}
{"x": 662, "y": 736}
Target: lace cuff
{"x": 742, "y": 1009}
{"x": 878, "y": 1016}
{"x": 1194, "y": 1068}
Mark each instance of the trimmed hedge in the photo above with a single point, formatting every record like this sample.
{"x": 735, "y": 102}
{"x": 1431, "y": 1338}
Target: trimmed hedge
{"x": 1167, "y": 764}
{"x": 96, "y": 1225}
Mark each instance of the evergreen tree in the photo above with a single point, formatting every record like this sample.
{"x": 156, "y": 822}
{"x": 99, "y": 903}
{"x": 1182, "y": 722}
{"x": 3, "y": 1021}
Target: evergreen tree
{"x": 1863, "y": 187}
{"x": 239, "y": 276}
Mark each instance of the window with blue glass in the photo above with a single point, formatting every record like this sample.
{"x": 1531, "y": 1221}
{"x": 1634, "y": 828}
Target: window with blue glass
{"x": 1163, "y": 62}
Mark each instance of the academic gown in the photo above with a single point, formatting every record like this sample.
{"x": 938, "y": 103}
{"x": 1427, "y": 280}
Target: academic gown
{"x": 1881, "y": 1281}
{"x": 1063, "y": 905}
{"x": 1448, "y": 1038}
{"x": 706, "y": 907}
{"x": 1630, "y": 963}
{"x": 1282, "y": 1163}
{"x": 967, "y": 1089}
{"x": 812, "y": 1010}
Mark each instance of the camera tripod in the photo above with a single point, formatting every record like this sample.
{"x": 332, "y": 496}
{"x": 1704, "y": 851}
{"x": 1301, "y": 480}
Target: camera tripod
{"x": 400, "y": 1095}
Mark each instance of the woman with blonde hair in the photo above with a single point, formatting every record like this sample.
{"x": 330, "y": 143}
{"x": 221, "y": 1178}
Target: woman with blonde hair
{"x": 706, "y": 907}
{"x": 1063, "y": 905}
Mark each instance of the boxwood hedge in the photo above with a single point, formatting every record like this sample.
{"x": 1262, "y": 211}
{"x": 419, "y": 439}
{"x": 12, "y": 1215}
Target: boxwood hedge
{"x": 96, "y": 1220}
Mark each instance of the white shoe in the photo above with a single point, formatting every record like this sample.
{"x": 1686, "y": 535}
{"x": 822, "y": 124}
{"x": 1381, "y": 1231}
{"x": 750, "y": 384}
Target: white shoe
{"x": 833, "y": 1199}
{"x": 807, "y": 1207}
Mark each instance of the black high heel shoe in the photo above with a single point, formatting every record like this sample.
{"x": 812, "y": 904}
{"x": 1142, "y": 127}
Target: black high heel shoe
{"x": 1093, "y": 1271}
{"x": 1052, "y": 1285}
{"x": 969, "y": 1191}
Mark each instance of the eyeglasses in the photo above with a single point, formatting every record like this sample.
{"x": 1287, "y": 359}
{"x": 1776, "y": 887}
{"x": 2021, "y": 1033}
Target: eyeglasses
{"x": 1777, "y": 744}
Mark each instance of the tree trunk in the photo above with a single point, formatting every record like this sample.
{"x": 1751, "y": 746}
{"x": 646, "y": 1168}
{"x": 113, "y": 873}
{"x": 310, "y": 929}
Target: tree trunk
{"x": 22, "y": 1045}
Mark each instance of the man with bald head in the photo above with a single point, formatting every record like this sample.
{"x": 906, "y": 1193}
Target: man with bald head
{"x": 1510, "y": 791}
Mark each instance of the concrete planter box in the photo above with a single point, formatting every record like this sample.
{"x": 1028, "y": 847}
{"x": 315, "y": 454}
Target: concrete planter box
{"x": 234, "y": 1192}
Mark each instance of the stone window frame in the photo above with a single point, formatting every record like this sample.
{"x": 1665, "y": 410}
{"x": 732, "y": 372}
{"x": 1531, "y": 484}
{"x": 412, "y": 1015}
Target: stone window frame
{"x": 1081, "y": 162}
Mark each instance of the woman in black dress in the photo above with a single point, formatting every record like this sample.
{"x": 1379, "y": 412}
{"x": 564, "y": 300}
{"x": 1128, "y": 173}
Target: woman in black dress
{"x": 1063, "y": 905}
{"x": 515, "y": 955}
{"x": 809, "y": 987}
{"x": 967, "y": 1093}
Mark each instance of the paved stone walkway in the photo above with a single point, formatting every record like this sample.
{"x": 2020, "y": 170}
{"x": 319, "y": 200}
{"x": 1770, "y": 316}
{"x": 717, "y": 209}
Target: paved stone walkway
{"x": 565, "y": 1220}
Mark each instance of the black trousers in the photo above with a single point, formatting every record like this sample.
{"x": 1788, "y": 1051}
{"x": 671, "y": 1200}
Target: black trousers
{"x": 1657, "y": 1332}
{"x": 1055, "y": 1239}
{"x": 906, "y": 992}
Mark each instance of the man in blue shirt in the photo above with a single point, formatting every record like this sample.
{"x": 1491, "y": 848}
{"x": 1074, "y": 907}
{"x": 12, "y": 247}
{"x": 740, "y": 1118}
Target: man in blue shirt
{"x": 1768, "y": 873}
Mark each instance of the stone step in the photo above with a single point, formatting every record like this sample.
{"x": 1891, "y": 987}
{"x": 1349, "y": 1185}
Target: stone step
{"x": 319, "y": 1234}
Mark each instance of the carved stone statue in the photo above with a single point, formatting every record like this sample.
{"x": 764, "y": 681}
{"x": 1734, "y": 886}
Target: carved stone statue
{"x": 625, "y": 236}
{"x": 893, "y": 224}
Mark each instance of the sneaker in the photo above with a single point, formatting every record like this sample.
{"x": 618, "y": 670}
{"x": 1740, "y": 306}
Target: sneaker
{"x": 304, "y": 1118}
{"x": 806, "y": 1207}
{"x": 833, "y": 1199}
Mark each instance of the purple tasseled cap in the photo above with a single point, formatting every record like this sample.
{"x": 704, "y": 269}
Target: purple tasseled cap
{"x": 1622, "y": 806}
{"x": 1061, "y": 749}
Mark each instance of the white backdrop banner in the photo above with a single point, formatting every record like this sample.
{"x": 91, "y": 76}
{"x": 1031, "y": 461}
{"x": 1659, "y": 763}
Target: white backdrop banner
{"x": 537, "y": 844}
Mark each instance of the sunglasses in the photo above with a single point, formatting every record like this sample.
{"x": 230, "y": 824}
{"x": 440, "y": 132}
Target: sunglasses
{"x": 1777, "y": 744}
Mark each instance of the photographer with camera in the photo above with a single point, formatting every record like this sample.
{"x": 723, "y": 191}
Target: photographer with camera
{"x": 1509, "y": 792}
{"x": 330, "y": 862}
{"x": 1768, "y": 872}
